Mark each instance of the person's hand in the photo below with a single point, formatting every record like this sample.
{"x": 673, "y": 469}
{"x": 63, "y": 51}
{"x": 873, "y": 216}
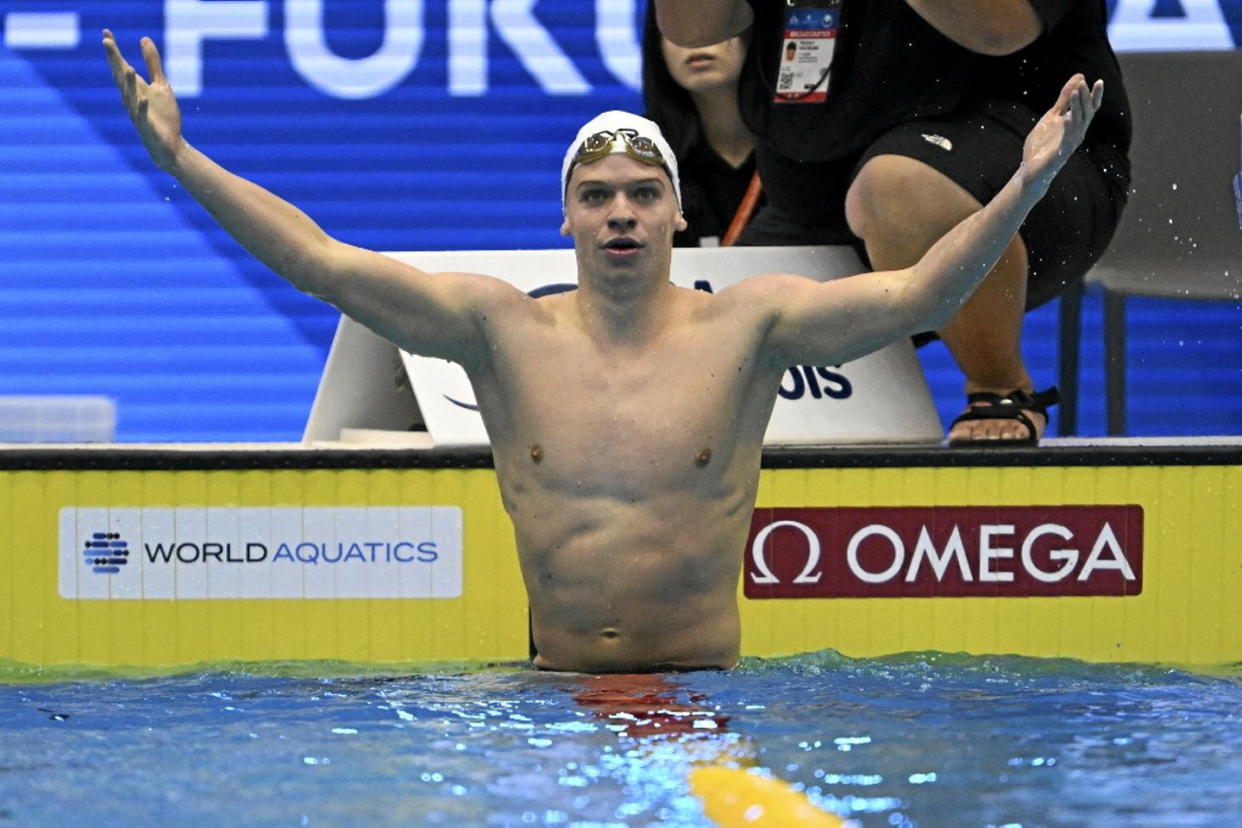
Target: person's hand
{"x": 151, "y": 105}
{"x": 1056, "y": 136}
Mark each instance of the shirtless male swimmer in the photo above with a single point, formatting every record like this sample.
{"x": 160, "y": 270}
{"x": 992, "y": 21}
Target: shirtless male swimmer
{"x": 626, "y": 417}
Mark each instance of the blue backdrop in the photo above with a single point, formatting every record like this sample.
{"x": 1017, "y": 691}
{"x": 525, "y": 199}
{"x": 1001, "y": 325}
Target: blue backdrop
{"x": 397, "y": 125}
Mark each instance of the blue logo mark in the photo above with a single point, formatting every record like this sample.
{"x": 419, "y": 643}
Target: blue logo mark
{"x": 106, "y": 552}
{"x": 811, "y": 19}
{"x": 465, "y": 405}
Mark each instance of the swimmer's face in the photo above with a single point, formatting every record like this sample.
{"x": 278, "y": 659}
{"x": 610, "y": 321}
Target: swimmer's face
{"x": 705, "y": 68}
{"x": 621, "y": 212}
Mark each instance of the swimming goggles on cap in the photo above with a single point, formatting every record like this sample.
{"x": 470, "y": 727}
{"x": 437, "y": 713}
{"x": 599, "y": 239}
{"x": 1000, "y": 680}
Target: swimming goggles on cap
{"x": 636, "y": 146}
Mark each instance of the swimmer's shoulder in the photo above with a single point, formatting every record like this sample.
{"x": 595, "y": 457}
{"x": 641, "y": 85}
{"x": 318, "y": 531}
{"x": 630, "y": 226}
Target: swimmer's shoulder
{"x": 498, "y": 300}
{"x": 768, "y": 284}
{"x": 761, "y": 295}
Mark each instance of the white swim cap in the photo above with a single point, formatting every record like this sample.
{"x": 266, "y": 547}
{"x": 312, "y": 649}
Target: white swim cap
{"x": 617, "y": 131}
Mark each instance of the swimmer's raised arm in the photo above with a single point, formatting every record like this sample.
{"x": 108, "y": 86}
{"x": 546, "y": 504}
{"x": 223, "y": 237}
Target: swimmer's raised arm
{"x": 437, "y": 315}
{"x": 833, "y": 322}
{"x": 702, "y": 22}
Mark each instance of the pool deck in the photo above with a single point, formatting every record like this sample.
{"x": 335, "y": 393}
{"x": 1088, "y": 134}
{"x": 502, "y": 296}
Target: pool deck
{"x": 1102, "y": 549}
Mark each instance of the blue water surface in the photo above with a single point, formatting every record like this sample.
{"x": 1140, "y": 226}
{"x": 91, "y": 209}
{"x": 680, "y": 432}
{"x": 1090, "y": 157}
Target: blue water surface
{"x": 923, "y": 739}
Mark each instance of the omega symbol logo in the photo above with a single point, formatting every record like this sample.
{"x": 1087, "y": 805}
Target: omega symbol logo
{"x": 765, "y": 575}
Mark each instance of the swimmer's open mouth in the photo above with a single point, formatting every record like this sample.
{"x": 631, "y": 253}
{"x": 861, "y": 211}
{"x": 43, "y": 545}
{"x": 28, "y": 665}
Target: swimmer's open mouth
{"x": 622, "y": 244}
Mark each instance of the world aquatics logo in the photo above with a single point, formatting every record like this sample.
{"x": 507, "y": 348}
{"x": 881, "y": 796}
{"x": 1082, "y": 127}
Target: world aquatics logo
{"x": 106, "y": 552}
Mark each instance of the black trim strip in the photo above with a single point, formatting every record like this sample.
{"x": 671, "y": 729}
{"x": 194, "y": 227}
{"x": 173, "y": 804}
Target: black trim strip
{"x": 1043, "y": 456}
{"x": 160, "y": 459}
{"x": 209, "y": 459}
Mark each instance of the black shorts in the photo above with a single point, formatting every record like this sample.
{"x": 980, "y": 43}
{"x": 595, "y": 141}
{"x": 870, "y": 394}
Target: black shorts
{"x": 1065, "y": 233}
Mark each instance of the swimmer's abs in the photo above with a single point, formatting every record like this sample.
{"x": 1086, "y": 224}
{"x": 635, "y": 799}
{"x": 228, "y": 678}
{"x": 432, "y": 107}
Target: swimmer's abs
{"x": 624, "y": 587}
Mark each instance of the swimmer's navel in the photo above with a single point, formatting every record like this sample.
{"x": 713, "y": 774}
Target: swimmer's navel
{"x": 703, "y": 457}
{"x": 536, "y": 453}
{"x": 609, "y": 632}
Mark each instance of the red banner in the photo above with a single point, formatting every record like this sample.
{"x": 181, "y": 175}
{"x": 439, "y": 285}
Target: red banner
{"x": 944, "y": 551}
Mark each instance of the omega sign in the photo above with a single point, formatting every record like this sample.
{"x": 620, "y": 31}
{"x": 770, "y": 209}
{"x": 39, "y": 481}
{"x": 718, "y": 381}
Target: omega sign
{"x": 933, "y": 551}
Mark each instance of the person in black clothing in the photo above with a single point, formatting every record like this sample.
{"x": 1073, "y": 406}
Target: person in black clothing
{"x": 910, "y": 117}
{"x": 692, "y": 95}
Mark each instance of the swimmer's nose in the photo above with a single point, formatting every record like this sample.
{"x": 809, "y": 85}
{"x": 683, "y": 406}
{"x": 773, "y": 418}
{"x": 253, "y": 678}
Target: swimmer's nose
{"x": 621, "y": 215}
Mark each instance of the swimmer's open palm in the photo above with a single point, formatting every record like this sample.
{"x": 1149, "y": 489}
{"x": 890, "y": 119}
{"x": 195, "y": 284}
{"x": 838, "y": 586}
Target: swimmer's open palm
{"x": 1053, "y": 140}
{"x": 151, "y": 104}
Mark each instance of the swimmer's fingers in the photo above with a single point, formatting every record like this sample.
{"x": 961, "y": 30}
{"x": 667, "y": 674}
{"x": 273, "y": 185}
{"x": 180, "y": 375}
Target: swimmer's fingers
{"x": 1068, "y": 99}
{"x": 1082, "y": 106}
{"x": 116, "y": 62}
{"x": 1074, "y": 110}
{"x": 1087, "y": 104}
{"x": 1059, "y": 132}
{"x": 155, "y": 66}
{"x": 1081, "y": 103}
{"x": 128, "y": 83}
{"x": 158, "y": 84}
{"x": 1091, "y": 101}
{"x": 151, "y": 106}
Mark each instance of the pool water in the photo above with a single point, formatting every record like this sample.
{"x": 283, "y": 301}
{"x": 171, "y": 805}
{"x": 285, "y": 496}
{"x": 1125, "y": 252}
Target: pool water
{"x": 921, "y": 739}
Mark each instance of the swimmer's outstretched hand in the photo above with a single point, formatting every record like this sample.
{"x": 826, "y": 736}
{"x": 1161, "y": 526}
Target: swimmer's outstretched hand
{"x": 1056, "y": 136}
{"x": 151, "y": 105}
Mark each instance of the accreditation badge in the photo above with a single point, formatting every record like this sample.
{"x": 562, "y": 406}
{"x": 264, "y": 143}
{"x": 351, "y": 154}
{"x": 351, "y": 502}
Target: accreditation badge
{"x": 806, "y": 54}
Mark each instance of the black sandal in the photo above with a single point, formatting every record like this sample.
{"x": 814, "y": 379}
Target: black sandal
{"x": 986, "y": 405}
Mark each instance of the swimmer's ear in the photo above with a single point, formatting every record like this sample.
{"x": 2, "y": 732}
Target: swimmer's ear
{"x": 565, "y": 229}
{"x": 681, "y": 224}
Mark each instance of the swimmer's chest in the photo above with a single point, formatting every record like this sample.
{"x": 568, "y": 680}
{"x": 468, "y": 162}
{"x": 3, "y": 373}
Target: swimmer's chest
{"x": 663, "y": 410}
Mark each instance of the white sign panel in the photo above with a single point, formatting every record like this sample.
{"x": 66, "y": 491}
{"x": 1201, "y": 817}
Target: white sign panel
{"x": 233, "y": 553}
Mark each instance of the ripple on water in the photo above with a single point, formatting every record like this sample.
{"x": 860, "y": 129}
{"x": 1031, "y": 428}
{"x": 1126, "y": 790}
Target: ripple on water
{"x": 924, "y": 738}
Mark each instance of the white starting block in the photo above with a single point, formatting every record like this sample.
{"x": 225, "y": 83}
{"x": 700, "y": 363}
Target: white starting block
{"x": 371, "y": 393}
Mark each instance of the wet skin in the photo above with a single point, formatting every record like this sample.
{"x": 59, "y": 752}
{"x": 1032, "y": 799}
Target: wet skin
{"x": 627, "y": 452}
{"x": 630, "y": 479}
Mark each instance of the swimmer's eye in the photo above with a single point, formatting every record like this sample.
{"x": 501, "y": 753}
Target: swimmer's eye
{"x": 594, "y": 195}
{"x": 646, "y": 194}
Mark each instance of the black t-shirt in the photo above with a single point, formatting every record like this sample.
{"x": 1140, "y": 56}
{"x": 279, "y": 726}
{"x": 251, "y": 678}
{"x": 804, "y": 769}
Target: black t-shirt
{"x": 890, "y": 66}
{"x": 1075, "y": 39}
{"x": 711, "y": 190}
